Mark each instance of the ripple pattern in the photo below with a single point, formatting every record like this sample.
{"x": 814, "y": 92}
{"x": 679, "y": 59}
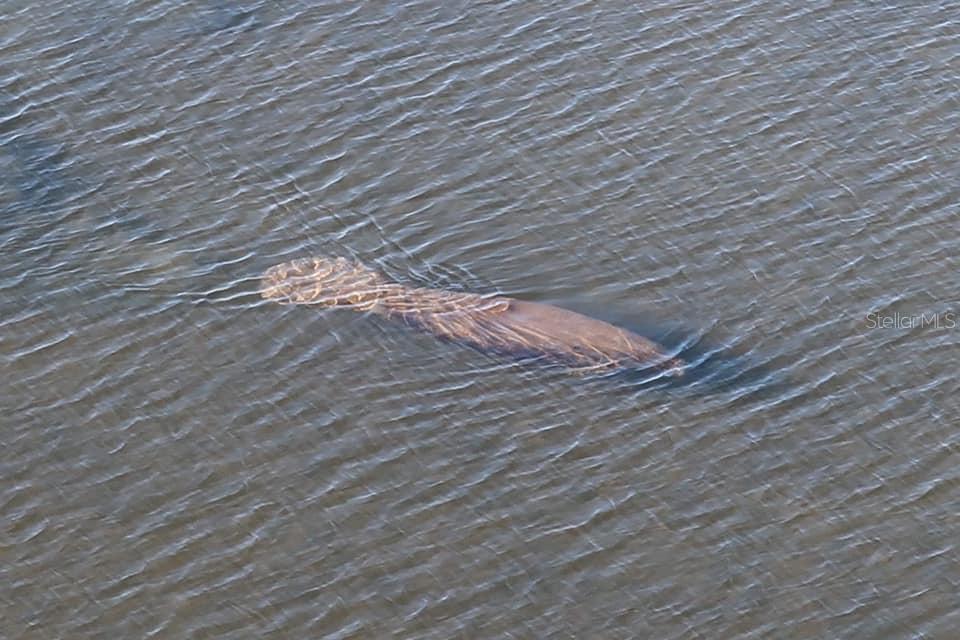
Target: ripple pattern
{"x": 751, "y": 183}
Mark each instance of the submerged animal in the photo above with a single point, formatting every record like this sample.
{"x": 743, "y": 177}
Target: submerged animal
{"x": 492, "y": 324}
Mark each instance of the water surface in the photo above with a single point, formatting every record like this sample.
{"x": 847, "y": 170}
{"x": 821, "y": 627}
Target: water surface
{"x": 758, "y": 186}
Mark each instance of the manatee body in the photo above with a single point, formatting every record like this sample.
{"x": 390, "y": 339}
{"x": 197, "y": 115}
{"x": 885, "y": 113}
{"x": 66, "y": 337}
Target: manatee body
{"x": 493, "y": 324}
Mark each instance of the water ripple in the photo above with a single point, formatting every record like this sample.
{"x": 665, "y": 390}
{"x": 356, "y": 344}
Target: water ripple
{"x": 743, "y": 182}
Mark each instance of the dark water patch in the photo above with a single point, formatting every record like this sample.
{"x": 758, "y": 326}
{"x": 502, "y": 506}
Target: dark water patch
{"x": 55, "y": 216}
{"x": 47, "y": 207}
{"x": 215, "y": 18}
{"x": 38, "y": 217}
{"x": 34, "y": 179}
{"x": 223, "y": 16}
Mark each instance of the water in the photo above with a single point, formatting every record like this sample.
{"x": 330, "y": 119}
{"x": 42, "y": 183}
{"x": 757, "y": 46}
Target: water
{"x": 763, "y": 188}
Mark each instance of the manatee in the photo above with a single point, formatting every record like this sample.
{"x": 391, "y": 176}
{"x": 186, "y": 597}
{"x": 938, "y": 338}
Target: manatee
{"x": 494, "y": 324}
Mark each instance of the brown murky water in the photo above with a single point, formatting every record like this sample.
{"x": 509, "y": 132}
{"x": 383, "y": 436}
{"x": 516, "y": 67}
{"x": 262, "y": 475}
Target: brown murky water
{"x": 772, "y": 192}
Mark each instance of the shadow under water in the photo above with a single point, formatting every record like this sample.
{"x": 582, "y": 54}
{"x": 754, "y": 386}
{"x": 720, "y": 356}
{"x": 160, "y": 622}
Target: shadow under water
{"x": 223, "y": 16}
{"x": 33, "y": 179}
